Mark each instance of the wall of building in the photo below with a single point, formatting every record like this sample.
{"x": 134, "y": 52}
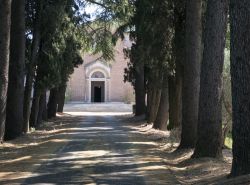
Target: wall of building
{"x": 118, "y": 90}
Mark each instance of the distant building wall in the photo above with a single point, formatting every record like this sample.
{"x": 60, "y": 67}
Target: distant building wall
{"x": 79, "y": 86}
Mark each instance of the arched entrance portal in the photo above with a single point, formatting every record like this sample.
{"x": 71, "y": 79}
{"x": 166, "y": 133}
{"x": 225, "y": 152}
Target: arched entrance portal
{"x": 97, "y": 82}
{"x": 97, "y": 87}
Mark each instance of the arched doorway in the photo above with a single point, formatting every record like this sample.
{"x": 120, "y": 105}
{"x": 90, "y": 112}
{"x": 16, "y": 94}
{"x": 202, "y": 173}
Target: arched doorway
{"x": 97, "y": 75}
{"x": 97, "y": 87}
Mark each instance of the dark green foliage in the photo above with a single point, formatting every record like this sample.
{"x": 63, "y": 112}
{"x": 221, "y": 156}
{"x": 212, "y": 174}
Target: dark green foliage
{"x": 152, "y": 29}
{"x": 60, "y": 46}
{"x": 66, "y": 33}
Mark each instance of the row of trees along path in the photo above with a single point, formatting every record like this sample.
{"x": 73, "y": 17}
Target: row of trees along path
{"x": 176, "y": 64}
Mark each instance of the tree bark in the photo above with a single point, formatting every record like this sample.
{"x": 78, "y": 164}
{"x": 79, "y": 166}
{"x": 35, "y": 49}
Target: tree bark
{"x": 210, "y": 104}
{"x": 240, "y": 72}
{"x": 153, "y": 106}
{"x": 52, "y": 104}
{"x": 149, "y": 100}
{"x": 5, "y": 16}
{"x": 139, "y": 90}
{"x": 35, "y": 107}
{"x": 61, "y": 97}
{"x": 163, "y": 110}
{"x": 191, "y": 74}
{"x": 31, "y": 71}
{"x": 14, "y": 114}
{"x": 45, "y": 113}
{"x": 27, "y": 100}
{"x": 175, "y": 99}
{"x": 42, "y": 108}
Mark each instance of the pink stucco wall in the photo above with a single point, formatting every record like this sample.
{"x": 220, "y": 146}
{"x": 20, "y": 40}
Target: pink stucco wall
{"x": 118, "y": 90}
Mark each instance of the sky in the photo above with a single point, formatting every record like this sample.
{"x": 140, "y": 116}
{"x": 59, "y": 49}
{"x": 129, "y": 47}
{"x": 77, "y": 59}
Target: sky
{"x": 90, "y": 9}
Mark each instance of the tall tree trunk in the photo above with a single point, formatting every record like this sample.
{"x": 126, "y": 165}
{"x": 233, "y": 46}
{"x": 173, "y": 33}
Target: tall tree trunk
{"x": 240, "y": 71}
{"x": 31, "y": 70}
{"x": 52, "y": 104}
{"x": 191, "y": 74}
{"x": 175, "y": 83}
{"x": 175, "y": 99}
{"x": 27, "y": 100}
{"x": 5, "y": 16}
{"x": 149, "y": 100}
{"x": 35, "y": 107}
{"x": 45, "y": 113}
{"x": 14, "y": 114}
{"x": 138, "y": 64}
{"x": 61, "y": 97}
{"x": 163, "y": 110}
{"x": 210, "y": 103}
{"x": 139, "y": 90}
{"x": 42, "y": 108}
{"x": 153, "y": 104}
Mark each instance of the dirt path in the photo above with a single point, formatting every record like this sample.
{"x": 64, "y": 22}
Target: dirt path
{"x": 106, "y": 148}
{"x": 88, "y": 150}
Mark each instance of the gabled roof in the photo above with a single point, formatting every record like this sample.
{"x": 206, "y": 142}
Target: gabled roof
{"x": 96, "y": 61}
{"x": 97, "y": 65}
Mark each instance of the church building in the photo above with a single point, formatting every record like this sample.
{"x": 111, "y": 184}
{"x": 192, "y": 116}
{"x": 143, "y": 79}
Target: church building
{"x": 97, "y": 81}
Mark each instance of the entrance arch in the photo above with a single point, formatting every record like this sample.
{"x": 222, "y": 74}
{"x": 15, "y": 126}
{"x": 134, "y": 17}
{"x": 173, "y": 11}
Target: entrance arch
{"x": 98, "y": 87}
{"x": 98, "y": 82}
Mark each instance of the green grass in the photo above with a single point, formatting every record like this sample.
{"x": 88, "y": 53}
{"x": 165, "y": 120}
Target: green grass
{"x": 229, "y": 141}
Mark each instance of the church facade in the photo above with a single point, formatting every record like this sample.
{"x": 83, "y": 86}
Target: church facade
{"x": 97, "y": 81}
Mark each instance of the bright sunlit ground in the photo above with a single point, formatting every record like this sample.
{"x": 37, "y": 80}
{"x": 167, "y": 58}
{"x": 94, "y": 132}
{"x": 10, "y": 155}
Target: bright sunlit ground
{"x": 229, "y": 142}
{"x": 103, "y": 144}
